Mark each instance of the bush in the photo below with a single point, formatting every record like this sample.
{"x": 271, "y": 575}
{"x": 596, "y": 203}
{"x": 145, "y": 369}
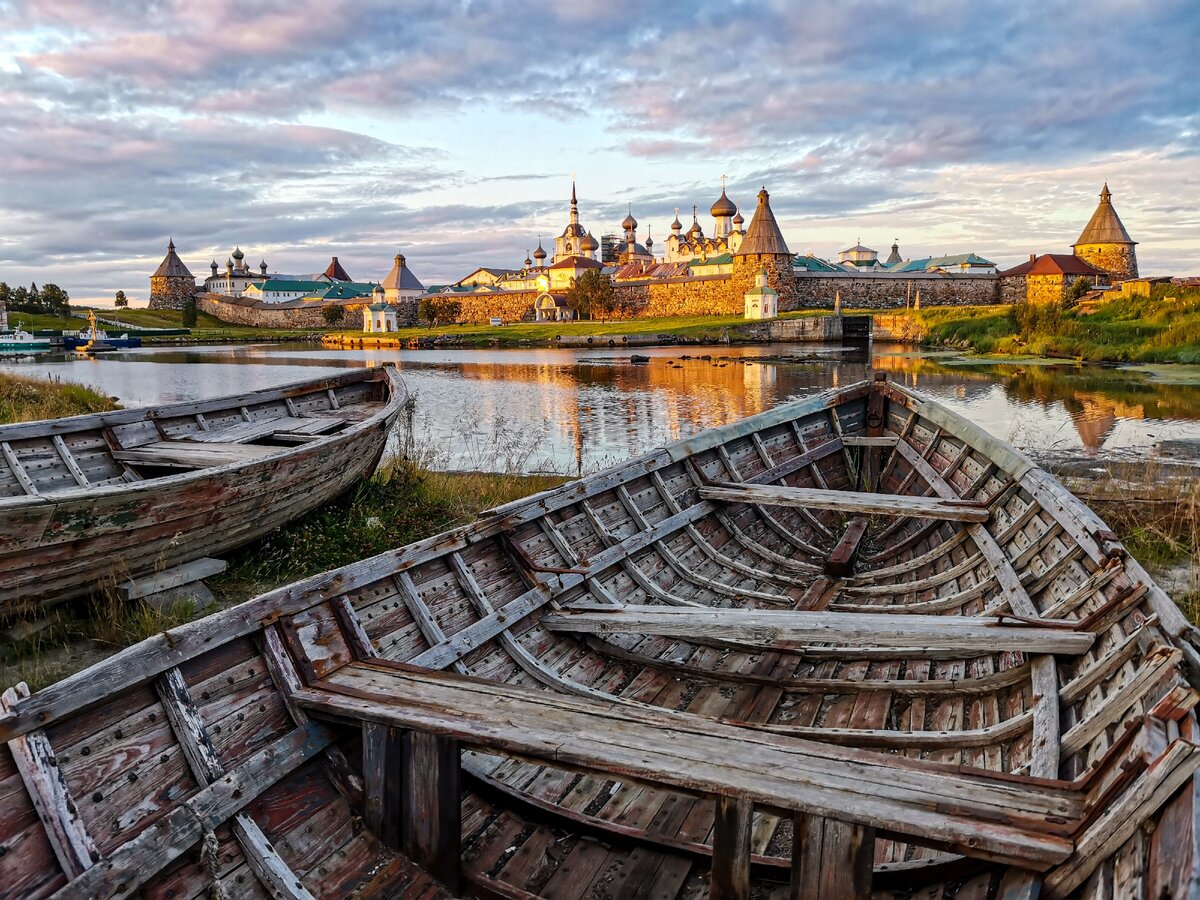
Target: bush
{"x": 333, "y": 314}
{"x": 121, "y": 300}
{"x": 188, "y": 317}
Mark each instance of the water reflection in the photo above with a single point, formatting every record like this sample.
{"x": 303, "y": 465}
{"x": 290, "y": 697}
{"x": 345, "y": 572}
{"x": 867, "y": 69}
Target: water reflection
{"x": 573, "y": 410}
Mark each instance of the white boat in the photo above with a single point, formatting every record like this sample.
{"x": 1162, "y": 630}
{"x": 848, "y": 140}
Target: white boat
{"x": 21, "y": 341}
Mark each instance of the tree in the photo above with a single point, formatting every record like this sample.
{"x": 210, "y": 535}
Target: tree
{"x": 5, "y": 292}
{"x": 35, "y": 298}
{"x": 1076, "y": 291}
{"x": 55, "y": 300}
{"x": 121, "y": 301}
{"x": 592, "y": 294}
{"x": 189, "y": 313}
{"x": 438, "y": 308}
{"x": 333, "y": 314}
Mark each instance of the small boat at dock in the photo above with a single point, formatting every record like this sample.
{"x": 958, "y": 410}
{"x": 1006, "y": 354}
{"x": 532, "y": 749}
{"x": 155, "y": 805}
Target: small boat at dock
{"x": 95, "y": 339}
{"x": 850, "y": 647}
{"x": 121, "y": 495}
{"x": 18, "y": 340}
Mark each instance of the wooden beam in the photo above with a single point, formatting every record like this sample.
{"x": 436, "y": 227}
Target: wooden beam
{"x": 206, "y": 766}
{"x": 970, "y": 813}
{"x": 831, "y": 859}
{"x": 960, "y": 633}
{"x": 858, "y": 440}
{"x": 1019, "y": 884}
{"x": 382, "y": 788}
{"x": 849, "y": 502}
{"x": 730, "y": 878}
{"x": 36, "y": 764}
{"x": 841, "y": 560}
{"x": 64, "y": 453}
{"x": 18, "y": 470}
{"x": 430, "y": 804}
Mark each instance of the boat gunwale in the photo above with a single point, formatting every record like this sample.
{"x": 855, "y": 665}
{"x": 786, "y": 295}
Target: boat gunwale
{"x": 390, "y": 374}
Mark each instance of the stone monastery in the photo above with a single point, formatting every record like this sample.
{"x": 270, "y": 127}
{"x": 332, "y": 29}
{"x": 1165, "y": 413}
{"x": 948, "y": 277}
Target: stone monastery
{"x": 698, "y": 274}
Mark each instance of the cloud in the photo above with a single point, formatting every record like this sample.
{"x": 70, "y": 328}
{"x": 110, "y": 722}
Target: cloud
{"x": 308, "y": 125}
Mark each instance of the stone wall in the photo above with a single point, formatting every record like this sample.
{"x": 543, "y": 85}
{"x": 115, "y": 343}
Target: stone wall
{"x": 1013, "y": 289}
{"x": 170, "y": 291}
{"x": 817, "y": 289}
{"x": 260, "y": 314}
{"x": 511, "y": 306}
{"x": 1046, "y": 288}
{"x": 780, "y": 277}
{"x": 1120, "y": 260}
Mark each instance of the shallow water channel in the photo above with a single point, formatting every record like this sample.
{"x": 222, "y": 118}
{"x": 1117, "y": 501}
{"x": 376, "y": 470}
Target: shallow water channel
{"x": 579, "y": 410}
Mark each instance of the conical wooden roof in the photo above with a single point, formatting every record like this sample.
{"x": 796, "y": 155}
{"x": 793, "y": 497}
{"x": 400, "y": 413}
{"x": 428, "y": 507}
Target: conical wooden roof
{"x": 763, "y": 235}
{"x": 172, "y": 265}
{"x": 1105, "y": 225}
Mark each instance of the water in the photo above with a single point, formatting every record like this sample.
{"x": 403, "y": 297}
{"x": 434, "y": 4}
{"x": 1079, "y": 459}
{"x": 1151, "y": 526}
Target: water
{"x": 578, "y": 410}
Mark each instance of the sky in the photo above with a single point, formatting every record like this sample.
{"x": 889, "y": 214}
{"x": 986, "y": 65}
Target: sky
{"x": 450, "y": 132}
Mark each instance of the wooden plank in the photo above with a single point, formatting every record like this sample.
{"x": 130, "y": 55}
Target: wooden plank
{"x": 134, "y": 863}
{"x": 18, "y": 470}
{"x": 64, "y": 453}
{"x": 352, "y": 627}
{"x": 382, "y": 782}
{"x": 39, "y": 772}
{"x": 963, "y": 633}
{"x": 831, "y": 859}
{"x": 206, "y": 766}
{"x": 730, "y": 879}
{"x": 426, "y": 623}
{"x": 172, "y": 578}
{"x": 859, "y": 440}
{"x": 431, "y": 800}
{"x": 841, "y": 560}
{"x": 974, "y": 815}
{"x": 1019, "y": 884}
{"x": 188, "y": 455}
{"x": 849, "y": 501}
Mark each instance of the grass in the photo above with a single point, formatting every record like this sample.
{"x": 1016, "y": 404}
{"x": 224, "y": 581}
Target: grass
{"x": 1152, "y": 329}
{"x": 707, "y": 329}
{"x": 28, "y": 399}
{"x": 44, "y": 321}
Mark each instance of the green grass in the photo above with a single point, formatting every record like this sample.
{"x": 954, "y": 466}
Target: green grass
{"x": 698, "y": 328}
{"x": 1133, "y": 329}
{"x": 28, "y": 399}
{"x": 43, "y": 322}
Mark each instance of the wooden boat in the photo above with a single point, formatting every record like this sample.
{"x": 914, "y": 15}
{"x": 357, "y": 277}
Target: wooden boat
{"x": 125, "y": 494}
{"x": 849, "y": 647}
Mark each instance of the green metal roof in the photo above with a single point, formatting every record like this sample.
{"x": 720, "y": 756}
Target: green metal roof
{"x": 273, "y": 284}
{"x": 725, "y": 259}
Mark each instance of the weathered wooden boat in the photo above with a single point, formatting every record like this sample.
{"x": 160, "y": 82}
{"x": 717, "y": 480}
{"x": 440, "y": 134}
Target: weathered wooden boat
{"x": 125, "y": 494}
{"x": 850, "y": 647}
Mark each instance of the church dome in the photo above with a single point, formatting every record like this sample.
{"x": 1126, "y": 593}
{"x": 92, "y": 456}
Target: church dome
{"x": 539, "y": 254}
{"x": 723, "y": 207}
{"x": 695, "y": 230}
{"x": 629, "y": 222}
{"x": 590, "y": 244}
{"x": 238, "y": 255}
{"x": 738, "y": 219}
{"x": 574, "y": 230}
{"x": 676, "y": 225}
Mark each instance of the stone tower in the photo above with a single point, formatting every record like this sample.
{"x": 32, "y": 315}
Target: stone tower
{"x": 764, "y": 248}
{"x": 1105, "y": 243}
{"x": 171, "y": 284}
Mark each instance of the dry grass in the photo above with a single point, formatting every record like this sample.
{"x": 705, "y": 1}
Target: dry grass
{"x": 29, "y": 399}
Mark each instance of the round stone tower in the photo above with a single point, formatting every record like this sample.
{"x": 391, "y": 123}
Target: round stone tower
{"x": 764, "y": 249}
{"x": 171, "y": 284}
{"x": 1105, "y": 243}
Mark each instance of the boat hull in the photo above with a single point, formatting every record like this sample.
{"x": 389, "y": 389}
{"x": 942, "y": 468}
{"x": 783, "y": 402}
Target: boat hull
{"x": 54, "y": 548}
{"x": 696, "y": 674}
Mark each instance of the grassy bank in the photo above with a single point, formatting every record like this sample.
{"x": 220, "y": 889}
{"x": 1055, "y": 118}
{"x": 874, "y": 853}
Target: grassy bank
{"x": 706, "y": 329}
{"x": 27, "y": 399}
{"x": 1161, "y": 328}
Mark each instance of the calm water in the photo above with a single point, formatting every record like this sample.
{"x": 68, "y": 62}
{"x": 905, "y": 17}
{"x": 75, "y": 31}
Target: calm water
{"x": 572, "y": 410}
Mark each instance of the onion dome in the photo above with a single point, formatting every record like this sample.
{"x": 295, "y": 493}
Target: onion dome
{"x": 539, "y": 254}
{"x": 229, "y": 263}
{"x": 378, "y": 291}
{"x": 214, "y": 267}
{"x": 590, "y": 244}
{"x": 737, "y": 219}
{"x": 676, "y": 225}
{"x": 629, "y": 223}
{"x": 649, "y": 240}
{"x": 238, "y": 255}
{"x": 528, "y": 261}
{"x": 723, "y": 207}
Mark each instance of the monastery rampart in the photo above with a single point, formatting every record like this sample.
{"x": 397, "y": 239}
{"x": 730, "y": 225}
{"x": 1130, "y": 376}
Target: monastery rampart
{"x": 817, "y": 290}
